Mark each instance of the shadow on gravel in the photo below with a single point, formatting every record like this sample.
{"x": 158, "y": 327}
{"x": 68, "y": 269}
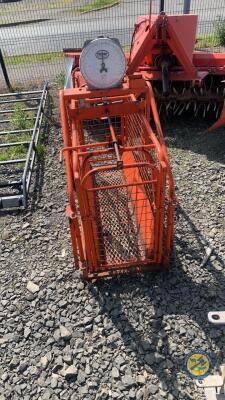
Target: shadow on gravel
{"x": 6, "y": 212}
{"x": 192, "y": 135}
{"x": 38, "y": 176}
{"x": 145, "y": 308}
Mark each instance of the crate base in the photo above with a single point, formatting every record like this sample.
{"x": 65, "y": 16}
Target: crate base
{"x": 125, "y": 270}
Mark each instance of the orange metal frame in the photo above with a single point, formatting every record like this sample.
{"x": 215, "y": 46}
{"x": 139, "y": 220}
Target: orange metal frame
{"x": 166, "y": 36}
{"x": 129, "y": 166}
{"x": 120, "y": 186}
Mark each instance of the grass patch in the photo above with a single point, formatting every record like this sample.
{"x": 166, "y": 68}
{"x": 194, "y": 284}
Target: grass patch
{"x": 205, "y": 41}
{"x": 220, "y": 31}
{"x": 35, "y": 6}
{"x": 19, "y": 119}
{"x": 25, "y": 137}
{"x": 95, "y": 4}
{"x": 15, "y": 152}
{"x": 60, "y": 80}
{"x": 33, "y": 58}
{"x": 20, "y": 151}
{"x": 126, "y": 48}
{"x": 40, "y": 151}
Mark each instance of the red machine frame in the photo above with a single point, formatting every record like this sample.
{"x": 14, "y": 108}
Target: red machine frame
{"x": 161, "y": 50}
{"x": 116, "y": 155}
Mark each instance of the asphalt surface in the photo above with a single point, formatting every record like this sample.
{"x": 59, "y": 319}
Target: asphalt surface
{"x": 70, "y": 29}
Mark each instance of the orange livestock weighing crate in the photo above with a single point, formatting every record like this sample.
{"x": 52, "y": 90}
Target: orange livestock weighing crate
{"x": 120, "y": 185}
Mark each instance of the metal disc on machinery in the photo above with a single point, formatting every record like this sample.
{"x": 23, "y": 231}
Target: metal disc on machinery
{"x": 103, "y": 63}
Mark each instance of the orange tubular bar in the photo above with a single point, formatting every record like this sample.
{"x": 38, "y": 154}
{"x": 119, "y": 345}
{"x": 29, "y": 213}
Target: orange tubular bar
{"x": 120, "y": 185}
{"x": 71, "y": 210}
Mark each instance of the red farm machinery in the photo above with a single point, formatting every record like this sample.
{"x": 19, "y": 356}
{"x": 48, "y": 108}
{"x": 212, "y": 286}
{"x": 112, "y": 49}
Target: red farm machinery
{"x": 120, "y": 185}
{"x": 183, "y": 79}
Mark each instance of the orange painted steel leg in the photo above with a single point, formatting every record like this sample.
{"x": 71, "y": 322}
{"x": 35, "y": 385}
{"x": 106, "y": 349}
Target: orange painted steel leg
{"x": 70, "y": 184}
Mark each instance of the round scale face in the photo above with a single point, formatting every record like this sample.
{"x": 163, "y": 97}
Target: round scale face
{"x": 102, "y": 63}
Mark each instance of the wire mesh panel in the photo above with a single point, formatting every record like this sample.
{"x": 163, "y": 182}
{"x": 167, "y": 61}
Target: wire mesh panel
{"x": 125, "y": 224}
{"x": 119, "y": 204}
{"x": 33, "y": 33}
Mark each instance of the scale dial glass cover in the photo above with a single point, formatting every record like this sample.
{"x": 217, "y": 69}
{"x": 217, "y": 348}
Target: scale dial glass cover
{"x": 102, "y": 63}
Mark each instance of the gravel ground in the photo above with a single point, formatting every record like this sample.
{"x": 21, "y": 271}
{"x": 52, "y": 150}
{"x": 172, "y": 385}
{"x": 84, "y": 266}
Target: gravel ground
{"x": 125, "y": 338}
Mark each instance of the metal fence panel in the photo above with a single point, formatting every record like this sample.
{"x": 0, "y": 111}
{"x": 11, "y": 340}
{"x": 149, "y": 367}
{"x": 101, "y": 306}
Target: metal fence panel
{"x": 33, "y": 33}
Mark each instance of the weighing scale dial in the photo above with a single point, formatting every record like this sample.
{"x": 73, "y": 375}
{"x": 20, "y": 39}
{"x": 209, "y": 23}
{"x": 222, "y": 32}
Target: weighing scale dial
{"x": 103, "y": 63}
